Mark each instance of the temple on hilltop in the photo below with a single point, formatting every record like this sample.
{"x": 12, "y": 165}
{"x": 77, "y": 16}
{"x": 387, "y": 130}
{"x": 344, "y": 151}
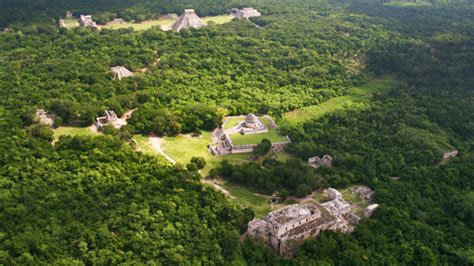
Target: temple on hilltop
{"x": 189, "y": 19}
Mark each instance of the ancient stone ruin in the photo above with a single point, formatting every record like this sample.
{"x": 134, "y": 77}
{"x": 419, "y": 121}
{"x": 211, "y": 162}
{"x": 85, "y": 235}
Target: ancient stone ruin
{"x": 245, "y": 13}
{"x": 317, "y": 162}
{"x": 42, "y": 117}
{"x": 61, "y": 23}
{"x": 86, "y": 21}
{"x": 120, "y": 72}
{"x": 370, "y": 210}
{"x": 450, "y": 154}
{"x": 364, "y": 193}
{"x": 188, "y": 20}
{"x": 287, "y": 228}
{"x": 250, "y": 125}
{"x": 110, "y": 118}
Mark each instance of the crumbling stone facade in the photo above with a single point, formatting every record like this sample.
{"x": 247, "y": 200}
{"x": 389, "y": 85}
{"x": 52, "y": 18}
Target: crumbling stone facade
{"x": 317, "y": 162}
{"x": 110, "y": 118}
{"x": 120, "y": 72}
{"x": 86, "y": 21}
{"x": 287, "y": 228}
{"x": 245, "y": 13}
{"x": 450, "y": 154}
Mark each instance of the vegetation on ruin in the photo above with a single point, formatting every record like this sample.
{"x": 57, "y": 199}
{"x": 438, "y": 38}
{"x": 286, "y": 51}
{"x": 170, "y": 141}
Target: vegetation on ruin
{"x": 93, "y": 199}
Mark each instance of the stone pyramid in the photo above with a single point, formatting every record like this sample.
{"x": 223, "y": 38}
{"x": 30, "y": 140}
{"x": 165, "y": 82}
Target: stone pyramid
{"x": 189, "y": 19}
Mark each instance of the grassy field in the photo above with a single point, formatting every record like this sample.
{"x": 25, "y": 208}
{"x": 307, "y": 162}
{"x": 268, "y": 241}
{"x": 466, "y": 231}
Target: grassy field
{"x": 233, "y": 121}
{"x": 73, "y": 131}
{"x": 273, "y": 135}
{"x": 355, "y": 96}
{"x": 139, "y": 26}
{"x": 408, "y": 4}
{"x": 163, "y": 22}
{"x": 143, "y": 145}
{"x": 71, "y": 23}
{"x": 258, "y": 203}
{"x": 183, "y": 147}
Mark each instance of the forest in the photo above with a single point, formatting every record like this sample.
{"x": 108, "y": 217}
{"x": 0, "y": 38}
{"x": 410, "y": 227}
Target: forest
{"x": 95, "y": 200}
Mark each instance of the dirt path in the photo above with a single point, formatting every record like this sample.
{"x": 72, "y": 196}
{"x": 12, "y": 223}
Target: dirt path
{"x": 155, "y": 143}
{"x": 218, "y": 187}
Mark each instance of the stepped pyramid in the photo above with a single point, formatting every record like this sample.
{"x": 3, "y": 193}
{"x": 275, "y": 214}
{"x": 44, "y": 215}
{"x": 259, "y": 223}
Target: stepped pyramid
{"x": 189, "y": 19}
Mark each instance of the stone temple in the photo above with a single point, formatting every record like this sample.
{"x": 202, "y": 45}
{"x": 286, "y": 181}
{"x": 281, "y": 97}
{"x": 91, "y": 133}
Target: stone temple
{"x": 120, "y": 72}
{"x": 287, "y": 228}
{"x": 188, "y": 20}
{"x": 245, "y": 13}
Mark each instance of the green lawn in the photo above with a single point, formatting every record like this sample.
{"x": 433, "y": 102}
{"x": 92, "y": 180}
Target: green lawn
{"x": 73, "y": 131}
{"x": 408, "y": 4}
{"x": 143, "y": 145}
{"x": 355, "y": 97}
{"x": 183, "y": 147}
{"x": 71, "y": 23}
{"x": 273, "y": 135}
{"x": 233, "y": 121}
{"x": 163, "y": 22}
{"x": 258, "y": 203}
{"x": 140, "y": 26}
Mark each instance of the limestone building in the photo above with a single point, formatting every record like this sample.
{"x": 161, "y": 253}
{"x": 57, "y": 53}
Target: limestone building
{"x": 86, "y": 21}
{"x": 317, "y": 162}
{"x": 188, "y": 20}
{"x": 62, "y": 24}
{"x": 245, "y": 13}
{"x": 120, "y": 72}
{"x": 110, "y": 118}
{"x": 287, "y": 228}
{"x": 450, "y": 154}
{"x": 42, "y": 117}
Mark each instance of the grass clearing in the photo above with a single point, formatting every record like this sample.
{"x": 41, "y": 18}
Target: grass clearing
{"x": 355, "y": 97}
{"x": 71, "y": 23}
{"x": 260, "y": 204}
{"x": 408, "y": 4}
{"x": 143, "y": 145}
{"x": 73, "y": 131}
{"x": 166, "y": 23}
{"x": 183, "y": 147}
{"x": 233, "y": 121}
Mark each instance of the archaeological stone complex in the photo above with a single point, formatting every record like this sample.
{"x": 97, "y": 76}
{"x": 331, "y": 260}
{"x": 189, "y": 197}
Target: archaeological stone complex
{"x": 188, "y": 20}
{"x": 110, "y": 118}
{"x": 120, "y": 72}
{"x": 222, "y": 141}
{"x": 450, "y": 154}
{"x": 86, "y": 21}
{"x": 42, "y": 117}
{"x": 245, "y": 13}
{"x": 317, "y": 162}
{"x": 287, "y": 228}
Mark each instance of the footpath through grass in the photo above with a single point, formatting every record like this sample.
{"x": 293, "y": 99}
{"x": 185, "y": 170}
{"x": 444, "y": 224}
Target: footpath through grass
{"x": 355, "y": 96}
{"x": 144, "y": 146}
